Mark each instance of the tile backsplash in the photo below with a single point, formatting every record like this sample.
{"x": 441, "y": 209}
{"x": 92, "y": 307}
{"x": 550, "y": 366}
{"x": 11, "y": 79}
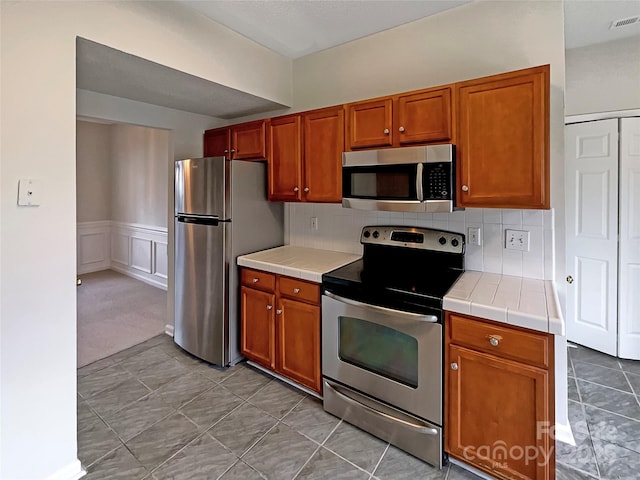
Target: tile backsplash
{"x": 339, "y": 229}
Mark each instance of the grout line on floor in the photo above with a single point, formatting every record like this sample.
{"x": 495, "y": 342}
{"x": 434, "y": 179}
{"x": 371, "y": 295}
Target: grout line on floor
{"x": 375, "y": 468}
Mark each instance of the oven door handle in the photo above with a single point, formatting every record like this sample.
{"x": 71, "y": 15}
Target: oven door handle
{"x": 391, "y": 311}
{"x": 384, "y": 416}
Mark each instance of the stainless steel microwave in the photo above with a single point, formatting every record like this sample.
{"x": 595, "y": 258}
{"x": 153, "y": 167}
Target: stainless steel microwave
{"x": 409, "y": 179}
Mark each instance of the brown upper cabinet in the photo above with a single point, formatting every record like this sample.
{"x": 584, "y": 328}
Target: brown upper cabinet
{"x": 424, "y": 116}
{"x": 305, "y": 156}
{"x": 245, "y": 141}
{"x": 503, "y": 140}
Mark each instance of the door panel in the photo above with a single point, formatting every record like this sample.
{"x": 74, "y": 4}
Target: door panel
{"x": 592, "y": 233}
{"x": 200, "y": 186}
{"x": 629, "y": 297}
{"x": 258, "y": 326}
{"x": 200, "y": 290}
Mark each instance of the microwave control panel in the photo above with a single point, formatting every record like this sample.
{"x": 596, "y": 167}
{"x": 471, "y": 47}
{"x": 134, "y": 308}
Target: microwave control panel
{"x": 438, "y": 181}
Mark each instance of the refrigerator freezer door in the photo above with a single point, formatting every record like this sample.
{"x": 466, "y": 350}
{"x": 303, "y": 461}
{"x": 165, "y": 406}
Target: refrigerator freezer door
{"x": 201, "y": 288}
{"x": 201, "y": 187}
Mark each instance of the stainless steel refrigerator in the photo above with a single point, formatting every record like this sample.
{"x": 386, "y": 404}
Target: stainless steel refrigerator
{"x": 221, "y": 211}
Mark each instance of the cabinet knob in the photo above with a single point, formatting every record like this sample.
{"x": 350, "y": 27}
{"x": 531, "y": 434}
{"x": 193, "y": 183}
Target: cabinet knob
{"x": 279, "y": 311}
{"x": 386, "y": 131}
{"x": 401, "y": 129}
{"x": 465, "y": 188}
{"x": 569, "y": 279}
{"x": 226, "y": 150}
{"x": 454, "y": 366}
{"x": 494, "y": 340}
{"x": 306, "y": 189}
{"x": 296, "y": 290}
{"x": 255, "y": 280}
{"x": 269, "y": 307}
{"x": 233, "y": 150}
{"x": 295, "y": 189}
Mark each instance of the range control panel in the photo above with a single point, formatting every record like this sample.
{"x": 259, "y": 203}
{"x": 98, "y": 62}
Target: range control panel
{"x": 413, "y": 237}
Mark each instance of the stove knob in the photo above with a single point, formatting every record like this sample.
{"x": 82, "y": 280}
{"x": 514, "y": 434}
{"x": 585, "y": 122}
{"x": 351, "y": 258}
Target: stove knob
{"x": 442, "y": 240}
{"x": 366, "y": 234}
{"x": 455, "y": 242}
{"x": 376, "y": 234}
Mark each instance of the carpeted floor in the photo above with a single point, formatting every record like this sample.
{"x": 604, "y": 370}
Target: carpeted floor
{"x": 116, "y": 312}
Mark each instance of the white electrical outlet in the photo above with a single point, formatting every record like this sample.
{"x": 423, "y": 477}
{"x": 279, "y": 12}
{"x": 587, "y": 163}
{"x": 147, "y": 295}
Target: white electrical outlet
{"x": 474, "y": 236}
{"x": 314, "y": 223}
{"x": 517, "y": 240}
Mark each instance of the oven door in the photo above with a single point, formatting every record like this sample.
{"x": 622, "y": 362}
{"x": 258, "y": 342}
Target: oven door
{"x": 390, "y": 355}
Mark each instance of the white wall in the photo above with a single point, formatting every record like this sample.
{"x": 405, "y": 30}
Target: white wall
{"x": 139, "y": 174}
{"x": 604, "y": 77}
{"x": 38, "y": 122}
{"x": 93, "y": 171}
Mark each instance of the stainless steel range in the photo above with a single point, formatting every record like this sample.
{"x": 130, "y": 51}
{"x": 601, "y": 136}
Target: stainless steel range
{"x": 382, "y": 335}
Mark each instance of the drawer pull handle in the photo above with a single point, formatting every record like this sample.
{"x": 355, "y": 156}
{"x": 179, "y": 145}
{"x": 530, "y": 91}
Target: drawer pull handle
{"x": 296, "y": 290}
{"x": 269, "y": 307}
{"x": 256, "y": 280}
{"x": 494, "y": 340}
{"x": 454, "y": 366}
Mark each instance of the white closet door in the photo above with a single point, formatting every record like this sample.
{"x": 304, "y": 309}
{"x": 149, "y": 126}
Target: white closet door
{"x": 629, "y": 286}
{"x": 591, "y": 176}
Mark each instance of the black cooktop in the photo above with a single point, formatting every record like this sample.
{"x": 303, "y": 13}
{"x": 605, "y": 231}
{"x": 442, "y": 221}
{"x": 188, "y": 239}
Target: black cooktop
{"x": 412, "y": 273}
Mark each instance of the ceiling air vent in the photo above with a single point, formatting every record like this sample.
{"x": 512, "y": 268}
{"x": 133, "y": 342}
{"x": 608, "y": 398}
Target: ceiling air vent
{"x": 624, "y": 22}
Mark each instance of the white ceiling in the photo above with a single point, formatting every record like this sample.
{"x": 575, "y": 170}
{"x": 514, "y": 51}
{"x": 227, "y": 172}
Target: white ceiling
{"x": 588, "y": 22}
{"x": 300, "y": 27}
{"x": 295, "y": 28}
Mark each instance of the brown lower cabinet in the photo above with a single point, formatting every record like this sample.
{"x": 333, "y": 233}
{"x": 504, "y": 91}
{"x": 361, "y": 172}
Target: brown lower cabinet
{"x": 499, "y": 402}
{"x": 280, "y": 325}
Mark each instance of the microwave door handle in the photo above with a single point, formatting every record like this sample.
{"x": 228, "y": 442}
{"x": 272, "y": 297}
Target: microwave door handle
{"x": 419, "y": 186}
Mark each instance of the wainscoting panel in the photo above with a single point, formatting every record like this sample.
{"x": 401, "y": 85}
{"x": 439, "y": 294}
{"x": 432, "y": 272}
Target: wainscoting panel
{"x": 93, "y": 240}
{"x": 119, "y": 248}
{"x": 141, "y": 254}
{"x": 139, "y": 251}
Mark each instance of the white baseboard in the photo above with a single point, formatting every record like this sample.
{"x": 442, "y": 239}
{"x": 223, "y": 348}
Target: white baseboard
{"x": 564, "y": 434}
{"x": 168, "y": 329}
{"x": 73, "y": 471}
{"x": 138, "y": 276}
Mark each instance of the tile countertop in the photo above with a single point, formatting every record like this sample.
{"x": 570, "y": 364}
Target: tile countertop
{"x": 298, "y": 262}
{"x": 522, "y": 302}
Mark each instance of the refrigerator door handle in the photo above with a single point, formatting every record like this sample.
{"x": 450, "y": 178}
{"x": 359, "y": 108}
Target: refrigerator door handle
{"x": 198, "y": 219}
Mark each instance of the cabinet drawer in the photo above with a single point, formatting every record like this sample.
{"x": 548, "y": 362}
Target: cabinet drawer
{"x": 256, "y": 279}
{"x": 508, "y": 342}
{"x": 299, "y": 290}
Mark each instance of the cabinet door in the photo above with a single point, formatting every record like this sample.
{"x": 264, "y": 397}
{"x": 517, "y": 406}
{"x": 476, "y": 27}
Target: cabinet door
{"x": 425, "y": 117}
{"x": 257, "y": 328}
{"x": 248, "y": 140}
{"x": 323, "y": 147}
{"x": 503, "y": 140}
{"x": 298, "y": 355}
{"x": 285, "y": 159}
{"x": 499, "y": 415}
{"x": 216, "y": 143}
{"x": 369, "y": 124}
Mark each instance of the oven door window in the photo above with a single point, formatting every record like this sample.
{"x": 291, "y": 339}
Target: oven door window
{"x": 379, "y": 349}
{"x": 380, "y": 182}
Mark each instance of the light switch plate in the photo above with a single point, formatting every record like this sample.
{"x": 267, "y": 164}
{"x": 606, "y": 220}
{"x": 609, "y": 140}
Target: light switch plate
{"x": 474, "y": 236}
{"x": 517, "y": 240}
{"x": 28, "y": 192}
